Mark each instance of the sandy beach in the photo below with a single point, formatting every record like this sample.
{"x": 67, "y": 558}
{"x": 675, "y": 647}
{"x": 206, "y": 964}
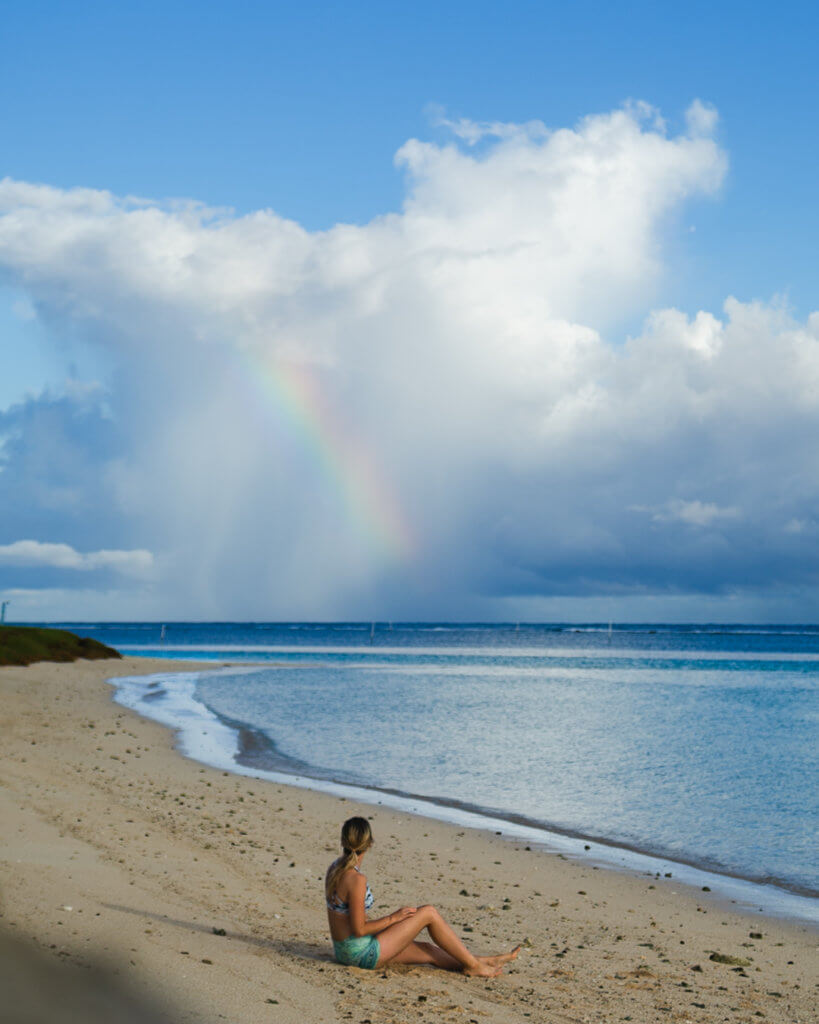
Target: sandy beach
{"x": 204, "y": 890}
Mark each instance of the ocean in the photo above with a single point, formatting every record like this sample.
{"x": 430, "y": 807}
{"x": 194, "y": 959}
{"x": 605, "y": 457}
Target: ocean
{"x": 689, "y": 749}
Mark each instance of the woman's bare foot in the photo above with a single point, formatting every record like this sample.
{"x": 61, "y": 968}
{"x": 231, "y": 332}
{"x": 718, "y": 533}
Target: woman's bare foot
{"x": 501, "y": 958}
{"x": 482, "y": 970}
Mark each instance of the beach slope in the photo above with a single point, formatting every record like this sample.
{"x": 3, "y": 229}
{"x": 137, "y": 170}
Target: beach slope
{"x": 203, "y": 890}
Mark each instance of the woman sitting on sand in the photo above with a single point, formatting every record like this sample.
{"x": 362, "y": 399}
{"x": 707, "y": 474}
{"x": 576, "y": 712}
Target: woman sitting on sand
{"x": 390, "y": 939}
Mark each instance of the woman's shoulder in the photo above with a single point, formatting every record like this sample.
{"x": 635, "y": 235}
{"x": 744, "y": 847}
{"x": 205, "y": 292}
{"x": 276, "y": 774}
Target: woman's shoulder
{"x": 349, "y": 875}
{"x": 351, "y": 879}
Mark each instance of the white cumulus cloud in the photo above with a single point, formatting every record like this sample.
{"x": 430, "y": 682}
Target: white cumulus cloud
{"x": 427, "y": 415}
{"x": 32, "y": 553}
{"x": 701, "y": 118}
{"x": 695, "y": 513}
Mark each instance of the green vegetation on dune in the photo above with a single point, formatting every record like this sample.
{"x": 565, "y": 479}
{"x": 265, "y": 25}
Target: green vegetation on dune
{"x": 23, "y": 645}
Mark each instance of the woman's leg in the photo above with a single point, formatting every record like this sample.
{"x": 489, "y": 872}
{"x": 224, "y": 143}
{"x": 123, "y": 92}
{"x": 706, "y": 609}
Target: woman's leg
{"x": 397, "y": 937}
{"x": 427, "y": 953}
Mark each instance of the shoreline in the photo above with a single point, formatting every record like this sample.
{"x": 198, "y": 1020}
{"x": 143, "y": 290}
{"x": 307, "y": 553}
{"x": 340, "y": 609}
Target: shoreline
{"x": 244, "y": 747}
{"x": 117, "y": 846}
{"x": 251, "y": 754}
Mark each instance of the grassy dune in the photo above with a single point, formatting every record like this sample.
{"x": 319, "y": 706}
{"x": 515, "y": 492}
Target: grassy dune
{"x": 23, "y": 645}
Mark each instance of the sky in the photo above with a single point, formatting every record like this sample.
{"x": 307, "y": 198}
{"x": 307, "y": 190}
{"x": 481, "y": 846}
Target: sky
{"x": 454, "y": 311}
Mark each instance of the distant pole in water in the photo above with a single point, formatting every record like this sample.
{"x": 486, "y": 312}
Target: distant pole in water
{"x": 610, "y": 630}
{"x": 372, "y": 631}
{"x": 162, "y": 635}
{"x": 3, "y": 612}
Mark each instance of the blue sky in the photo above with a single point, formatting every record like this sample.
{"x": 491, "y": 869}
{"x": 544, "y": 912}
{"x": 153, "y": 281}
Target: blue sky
{"x": 301, "y": 108}
{"x": 302, "y": 111}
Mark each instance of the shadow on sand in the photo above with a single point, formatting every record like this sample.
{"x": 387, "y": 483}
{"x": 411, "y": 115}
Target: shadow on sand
{"x": 291, "y": 947}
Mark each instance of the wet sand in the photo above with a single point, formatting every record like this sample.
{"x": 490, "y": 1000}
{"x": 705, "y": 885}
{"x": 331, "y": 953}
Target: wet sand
{"x": 115, "y": 848}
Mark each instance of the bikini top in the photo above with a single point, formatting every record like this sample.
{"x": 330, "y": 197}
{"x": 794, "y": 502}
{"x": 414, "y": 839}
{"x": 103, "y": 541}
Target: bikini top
{"x": 340, "y": 907}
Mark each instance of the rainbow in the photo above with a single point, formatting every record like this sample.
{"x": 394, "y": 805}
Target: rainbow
{"x": 342, "y": 459}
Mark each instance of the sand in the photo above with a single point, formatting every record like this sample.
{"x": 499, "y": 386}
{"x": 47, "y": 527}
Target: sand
{"x": 116, "y": 849}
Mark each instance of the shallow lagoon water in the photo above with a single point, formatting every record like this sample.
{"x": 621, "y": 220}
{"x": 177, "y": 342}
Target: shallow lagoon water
{"x": 699, "y": 747}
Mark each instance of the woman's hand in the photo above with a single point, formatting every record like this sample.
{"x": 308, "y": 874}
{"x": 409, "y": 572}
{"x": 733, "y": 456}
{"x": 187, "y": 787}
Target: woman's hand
{"x": 403, "y": 913}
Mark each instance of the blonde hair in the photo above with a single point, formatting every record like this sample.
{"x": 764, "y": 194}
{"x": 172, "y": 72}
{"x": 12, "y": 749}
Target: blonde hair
{"x": 356, "y": 837}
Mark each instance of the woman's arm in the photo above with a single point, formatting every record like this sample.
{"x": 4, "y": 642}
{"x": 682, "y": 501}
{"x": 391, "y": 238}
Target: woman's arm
{"x": 359, "y": 925}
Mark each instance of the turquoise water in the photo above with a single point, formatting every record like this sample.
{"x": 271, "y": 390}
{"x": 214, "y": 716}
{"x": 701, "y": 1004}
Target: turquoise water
{"x": 697, "y": 744}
